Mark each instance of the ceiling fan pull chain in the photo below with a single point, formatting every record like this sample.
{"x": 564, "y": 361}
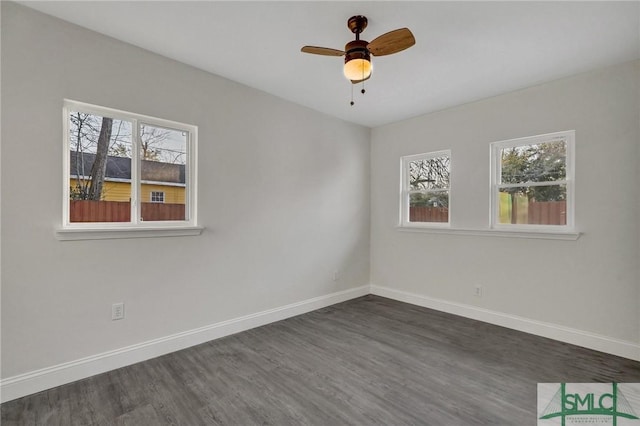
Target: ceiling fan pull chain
{"x": 352, "y": 95}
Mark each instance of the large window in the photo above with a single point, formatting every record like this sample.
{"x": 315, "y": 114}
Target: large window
{"x": 425, "y": 189}
{"x": 532, "y": 182}
{"x": 127, "y": 170}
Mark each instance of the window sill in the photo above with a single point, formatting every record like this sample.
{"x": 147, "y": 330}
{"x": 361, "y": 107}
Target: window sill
{"x": 544, "y": 235}
{"x": 117, "y": 233}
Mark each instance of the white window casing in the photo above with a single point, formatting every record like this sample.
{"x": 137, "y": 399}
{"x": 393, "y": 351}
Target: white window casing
{"x": 439, "y": 214}
{"x": 565, "y": 184}
{"x": 137, "y": 227}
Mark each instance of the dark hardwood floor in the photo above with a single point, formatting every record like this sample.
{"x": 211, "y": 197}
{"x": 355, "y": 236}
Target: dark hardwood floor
{"x": 368, "y": 361}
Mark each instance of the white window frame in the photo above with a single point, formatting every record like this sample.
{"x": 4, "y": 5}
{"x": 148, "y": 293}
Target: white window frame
{"x": 405, "y": 190}
{"x": 159, "y": 194}
{"x": 137, "y": 227}
{"x": 496, "y": 169}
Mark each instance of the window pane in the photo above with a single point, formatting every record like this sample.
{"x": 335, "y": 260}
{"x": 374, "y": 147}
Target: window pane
{"x": 545, "y": 162}
{"x": 100, "y": 168}
{"x": 157, "y": 196}
{"x": 533, "y": 205}
{"x": 431, "y": 173}
{"x": 163, "y": 155}
{"x": 429, "y": 207}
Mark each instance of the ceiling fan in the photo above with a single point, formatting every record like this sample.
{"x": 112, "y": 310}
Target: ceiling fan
{"x": 357, "y": 53}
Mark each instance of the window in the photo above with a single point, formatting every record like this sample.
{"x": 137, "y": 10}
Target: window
{"x": 157, "y": 196}
{"x": 124, "y": 170}
{"x": 532, "y": 182}
{"x": 425, "y": 189}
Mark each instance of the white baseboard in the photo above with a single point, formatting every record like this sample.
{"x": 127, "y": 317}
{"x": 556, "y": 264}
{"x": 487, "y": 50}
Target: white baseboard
{"x": 46, "y": 378}
{"x": 573, "y": 336}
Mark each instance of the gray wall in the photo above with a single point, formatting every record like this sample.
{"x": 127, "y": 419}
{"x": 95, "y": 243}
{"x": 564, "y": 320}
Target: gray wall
{"x": 286, "y": 200}
{"x": 591, "y": 284}
{"x": 283, "y": 194}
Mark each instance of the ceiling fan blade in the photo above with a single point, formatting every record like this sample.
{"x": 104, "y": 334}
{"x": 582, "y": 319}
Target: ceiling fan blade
{"x": 315, "y": 50}
{"x": 392, "y": 42}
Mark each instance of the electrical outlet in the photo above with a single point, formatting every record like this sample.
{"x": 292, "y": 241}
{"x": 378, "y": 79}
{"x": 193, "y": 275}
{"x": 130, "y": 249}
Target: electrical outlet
{"x": 335, "y": 276}
{"x": 117, "y": 311}
{"x": 477, "y": 290}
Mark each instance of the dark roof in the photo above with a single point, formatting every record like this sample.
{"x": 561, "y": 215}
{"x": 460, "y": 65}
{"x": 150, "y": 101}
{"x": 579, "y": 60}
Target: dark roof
{"x": 120, "y": 168}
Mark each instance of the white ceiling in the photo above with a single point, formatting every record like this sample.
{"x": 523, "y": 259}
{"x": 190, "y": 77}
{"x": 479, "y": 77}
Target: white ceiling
{"x": 464, "y": 50}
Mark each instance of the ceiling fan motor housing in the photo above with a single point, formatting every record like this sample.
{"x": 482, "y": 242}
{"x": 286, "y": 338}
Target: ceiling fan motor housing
{"x": 356, "y": 49}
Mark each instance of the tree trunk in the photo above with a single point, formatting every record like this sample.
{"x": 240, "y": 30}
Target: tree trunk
{"x": 81, "y": 186}
{"x": 99, "y": 169}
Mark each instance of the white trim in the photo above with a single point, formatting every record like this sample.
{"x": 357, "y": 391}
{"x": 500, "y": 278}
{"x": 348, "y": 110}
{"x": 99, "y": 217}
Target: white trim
{"x": 76, "y": 234}
{"x": 136, "y": 120}
{"x": 510, "y": 233}
{"x": 66, "y": 164}
{"x": 123, "y": 115}
{"x": 134, "y": 187}
{"x": 532, "y": 184}
{"x": 573, "y": 336}
{"x": 567, "y": 136}
{"x": 46, "y": 378}
{"x": 405, "y": 191}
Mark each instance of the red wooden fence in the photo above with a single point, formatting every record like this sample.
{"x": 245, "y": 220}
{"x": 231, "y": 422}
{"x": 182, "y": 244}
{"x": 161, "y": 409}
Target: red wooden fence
{"x": 162, "y": 211}
{"x": 99, "y": 211}
{"x": 428, "y": 214}
{"x": 539, "y": 213}
{"x": 548, "y": 212}
{"x": 119, "y": 211}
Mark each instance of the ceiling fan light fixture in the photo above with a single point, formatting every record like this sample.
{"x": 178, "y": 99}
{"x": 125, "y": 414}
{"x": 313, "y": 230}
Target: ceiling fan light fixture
{"x": 357, "y": 61}
{"x": 357, "y": 53}
{"x": 357, "y": 69}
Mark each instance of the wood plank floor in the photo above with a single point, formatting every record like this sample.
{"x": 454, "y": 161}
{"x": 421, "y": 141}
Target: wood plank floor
{"x": 368, "y": 361}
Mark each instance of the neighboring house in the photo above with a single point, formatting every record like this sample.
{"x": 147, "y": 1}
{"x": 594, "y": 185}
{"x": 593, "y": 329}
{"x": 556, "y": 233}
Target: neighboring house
{"x": 161, "y": 182}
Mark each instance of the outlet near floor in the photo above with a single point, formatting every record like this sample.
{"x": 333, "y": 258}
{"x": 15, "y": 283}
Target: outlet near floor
{"x": 117, "y": 311}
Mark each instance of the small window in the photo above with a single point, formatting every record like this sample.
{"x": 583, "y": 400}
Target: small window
{"x": 532, "y": 182}
{"x": 157, "y": 196}
{"x": 425, "y": 189}
{"x": 123, "y": 169}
